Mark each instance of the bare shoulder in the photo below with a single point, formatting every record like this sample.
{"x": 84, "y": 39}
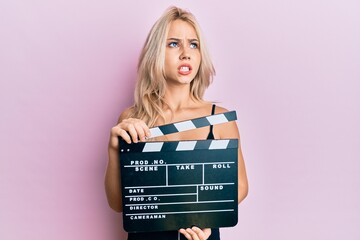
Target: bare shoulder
{"x": 126, "y": 114}
{"x": 225, "y": 130}
{"x": 219, "y": 109}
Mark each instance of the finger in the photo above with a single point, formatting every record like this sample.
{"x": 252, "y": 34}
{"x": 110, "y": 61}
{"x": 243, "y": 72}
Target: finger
{"x": 202, "y": 233}
{"x": 198, "y": 232}
{"x": 207, "y": 232}
{"x": 140, "y": 131}
{"x": 193, "y": 234}
{"x": 118, "y": 132}
{"x": 133, "y": 133}
{"x": 146, "y": 129}
{"x": 185, "y": 233}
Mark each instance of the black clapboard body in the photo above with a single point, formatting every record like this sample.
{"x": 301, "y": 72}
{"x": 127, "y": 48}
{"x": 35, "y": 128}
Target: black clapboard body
{"x": 177, "y": 184}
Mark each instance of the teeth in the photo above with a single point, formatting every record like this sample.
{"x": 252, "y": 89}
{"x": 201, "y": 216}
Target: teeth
{"x": 184, "y": 69}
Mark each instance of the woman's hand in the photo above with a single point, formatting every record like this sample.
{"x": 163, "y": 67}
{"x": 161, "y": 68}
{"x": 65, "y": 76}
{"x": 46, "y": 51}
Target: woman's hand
{"x": 131, "y": 130}
{"x": 196, "y": 233}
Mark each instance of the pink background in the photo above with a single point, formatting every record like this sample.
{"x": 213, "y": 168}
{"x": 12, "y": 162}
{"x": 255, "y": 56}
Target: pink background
{"x": 291, "y": 69}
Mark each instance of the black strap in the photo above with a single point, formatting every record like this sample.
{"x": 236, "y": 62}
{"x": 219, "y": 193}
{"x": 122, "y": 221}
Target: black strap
{"x": 213, "y": 109}
{"x": 211, "y": 134}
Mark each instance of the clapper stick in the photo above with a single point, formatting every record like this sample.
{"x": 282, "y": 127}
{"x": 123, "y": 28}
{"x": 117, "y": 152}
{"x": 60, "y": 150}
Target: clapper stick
{"x": 193, "y": 124}
{"x": 167, "y": 185}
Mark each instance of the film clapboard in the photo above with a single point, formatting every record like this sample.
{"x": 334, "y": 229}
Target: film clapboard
{"x": 168, "y": 185}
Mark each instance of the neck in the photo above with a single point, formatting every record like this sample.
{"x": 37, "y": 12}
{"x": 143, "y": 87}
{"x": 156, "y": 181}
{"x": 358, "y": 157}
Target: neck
{"x": 178, "y": 97}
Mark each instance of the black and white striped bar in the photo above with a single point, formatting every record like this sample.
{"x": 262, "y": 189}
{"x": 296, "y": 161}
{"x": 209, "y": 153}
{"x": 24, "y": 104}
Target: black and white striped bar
{"x": 175, "y": 146}
{"x": 193, "y": 124}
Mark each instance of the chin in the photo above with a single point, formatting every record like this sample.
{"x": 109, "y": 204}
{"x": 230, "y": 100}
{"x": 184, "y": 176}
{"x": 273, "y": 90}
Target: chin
{"x": 181, "y": 80}
{"x": 186, "y": 80}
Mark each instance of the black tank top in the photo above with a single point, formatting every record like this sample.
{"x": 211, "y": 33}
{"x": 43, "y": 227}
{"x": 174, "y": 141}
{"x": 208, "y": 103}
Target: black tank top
{"x": 175, "y": 235}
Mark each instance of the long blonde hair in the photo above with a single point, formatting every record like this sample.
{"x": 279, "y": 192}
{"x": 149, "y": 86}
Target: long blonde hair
{"x": 151, "y": 83}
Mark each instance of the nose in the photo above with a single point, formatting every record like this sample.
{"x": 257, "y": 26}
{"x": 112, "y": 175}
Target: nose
{"x": 185, "y": 54}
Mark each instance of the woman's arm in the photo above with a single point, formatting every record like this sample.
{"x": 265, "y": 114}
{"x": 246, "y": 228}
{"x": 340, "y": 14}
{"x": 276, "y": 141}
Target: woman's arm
{"x": 131, "y": 130}
{"x": 112, "y": 180}
{"x": 230, "y": 130}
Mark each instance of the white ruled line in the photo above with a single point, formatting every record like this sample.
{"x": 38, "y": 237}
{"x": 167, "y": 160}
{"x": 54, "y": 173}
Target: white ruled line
{"x": 177, "y": 203}
{"x": 178, "y": 164}
{"x": 183, "y": 185}
{"x": 167, "y": 176}
{"x": 203, "y": 173}
{"x": 210, "y": 211}
{"x": 162, "y": 195}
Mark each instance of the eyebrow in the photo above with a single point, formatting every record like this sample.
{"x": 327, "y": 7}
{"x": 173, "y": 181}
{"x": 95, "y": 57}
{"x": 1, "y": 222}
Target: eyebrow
{"x": 190, "y": 40}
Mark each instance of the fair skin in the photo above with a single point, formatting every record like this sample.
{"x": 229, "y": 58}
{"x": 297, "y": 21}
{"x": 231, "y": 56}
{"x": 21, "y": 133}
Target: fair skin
{"x": 182, "y": 61}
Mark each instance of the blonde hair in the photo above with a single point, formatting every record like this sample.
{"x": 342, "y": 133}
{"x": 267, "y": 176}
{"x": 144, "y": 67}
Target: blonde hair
{"x": 151, "y": 83}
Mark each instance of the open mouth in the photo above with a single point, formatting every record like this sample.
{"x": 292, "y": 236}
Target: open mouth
{"x": 185, "y": 69}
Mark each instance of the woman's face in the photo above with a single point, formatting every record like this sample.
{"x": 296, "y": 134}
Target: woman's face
{"x": 182, "y": 54}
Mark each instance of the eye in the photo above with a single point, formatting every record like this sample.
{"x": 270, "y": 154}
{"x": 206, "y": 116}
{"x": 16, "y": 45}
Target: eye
{"x": 194, "y": 45}
{"x": 173, "y": 44}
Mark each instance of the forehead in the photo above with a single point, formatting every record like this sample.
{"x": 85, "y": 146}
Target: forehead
{"x": 181, "y": 29}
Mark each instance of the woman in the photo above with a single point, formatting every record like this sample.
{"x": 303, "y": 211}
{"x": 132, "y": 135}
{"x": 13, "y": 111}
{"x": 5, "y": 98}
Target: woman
{"x": 173, "y": 72}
